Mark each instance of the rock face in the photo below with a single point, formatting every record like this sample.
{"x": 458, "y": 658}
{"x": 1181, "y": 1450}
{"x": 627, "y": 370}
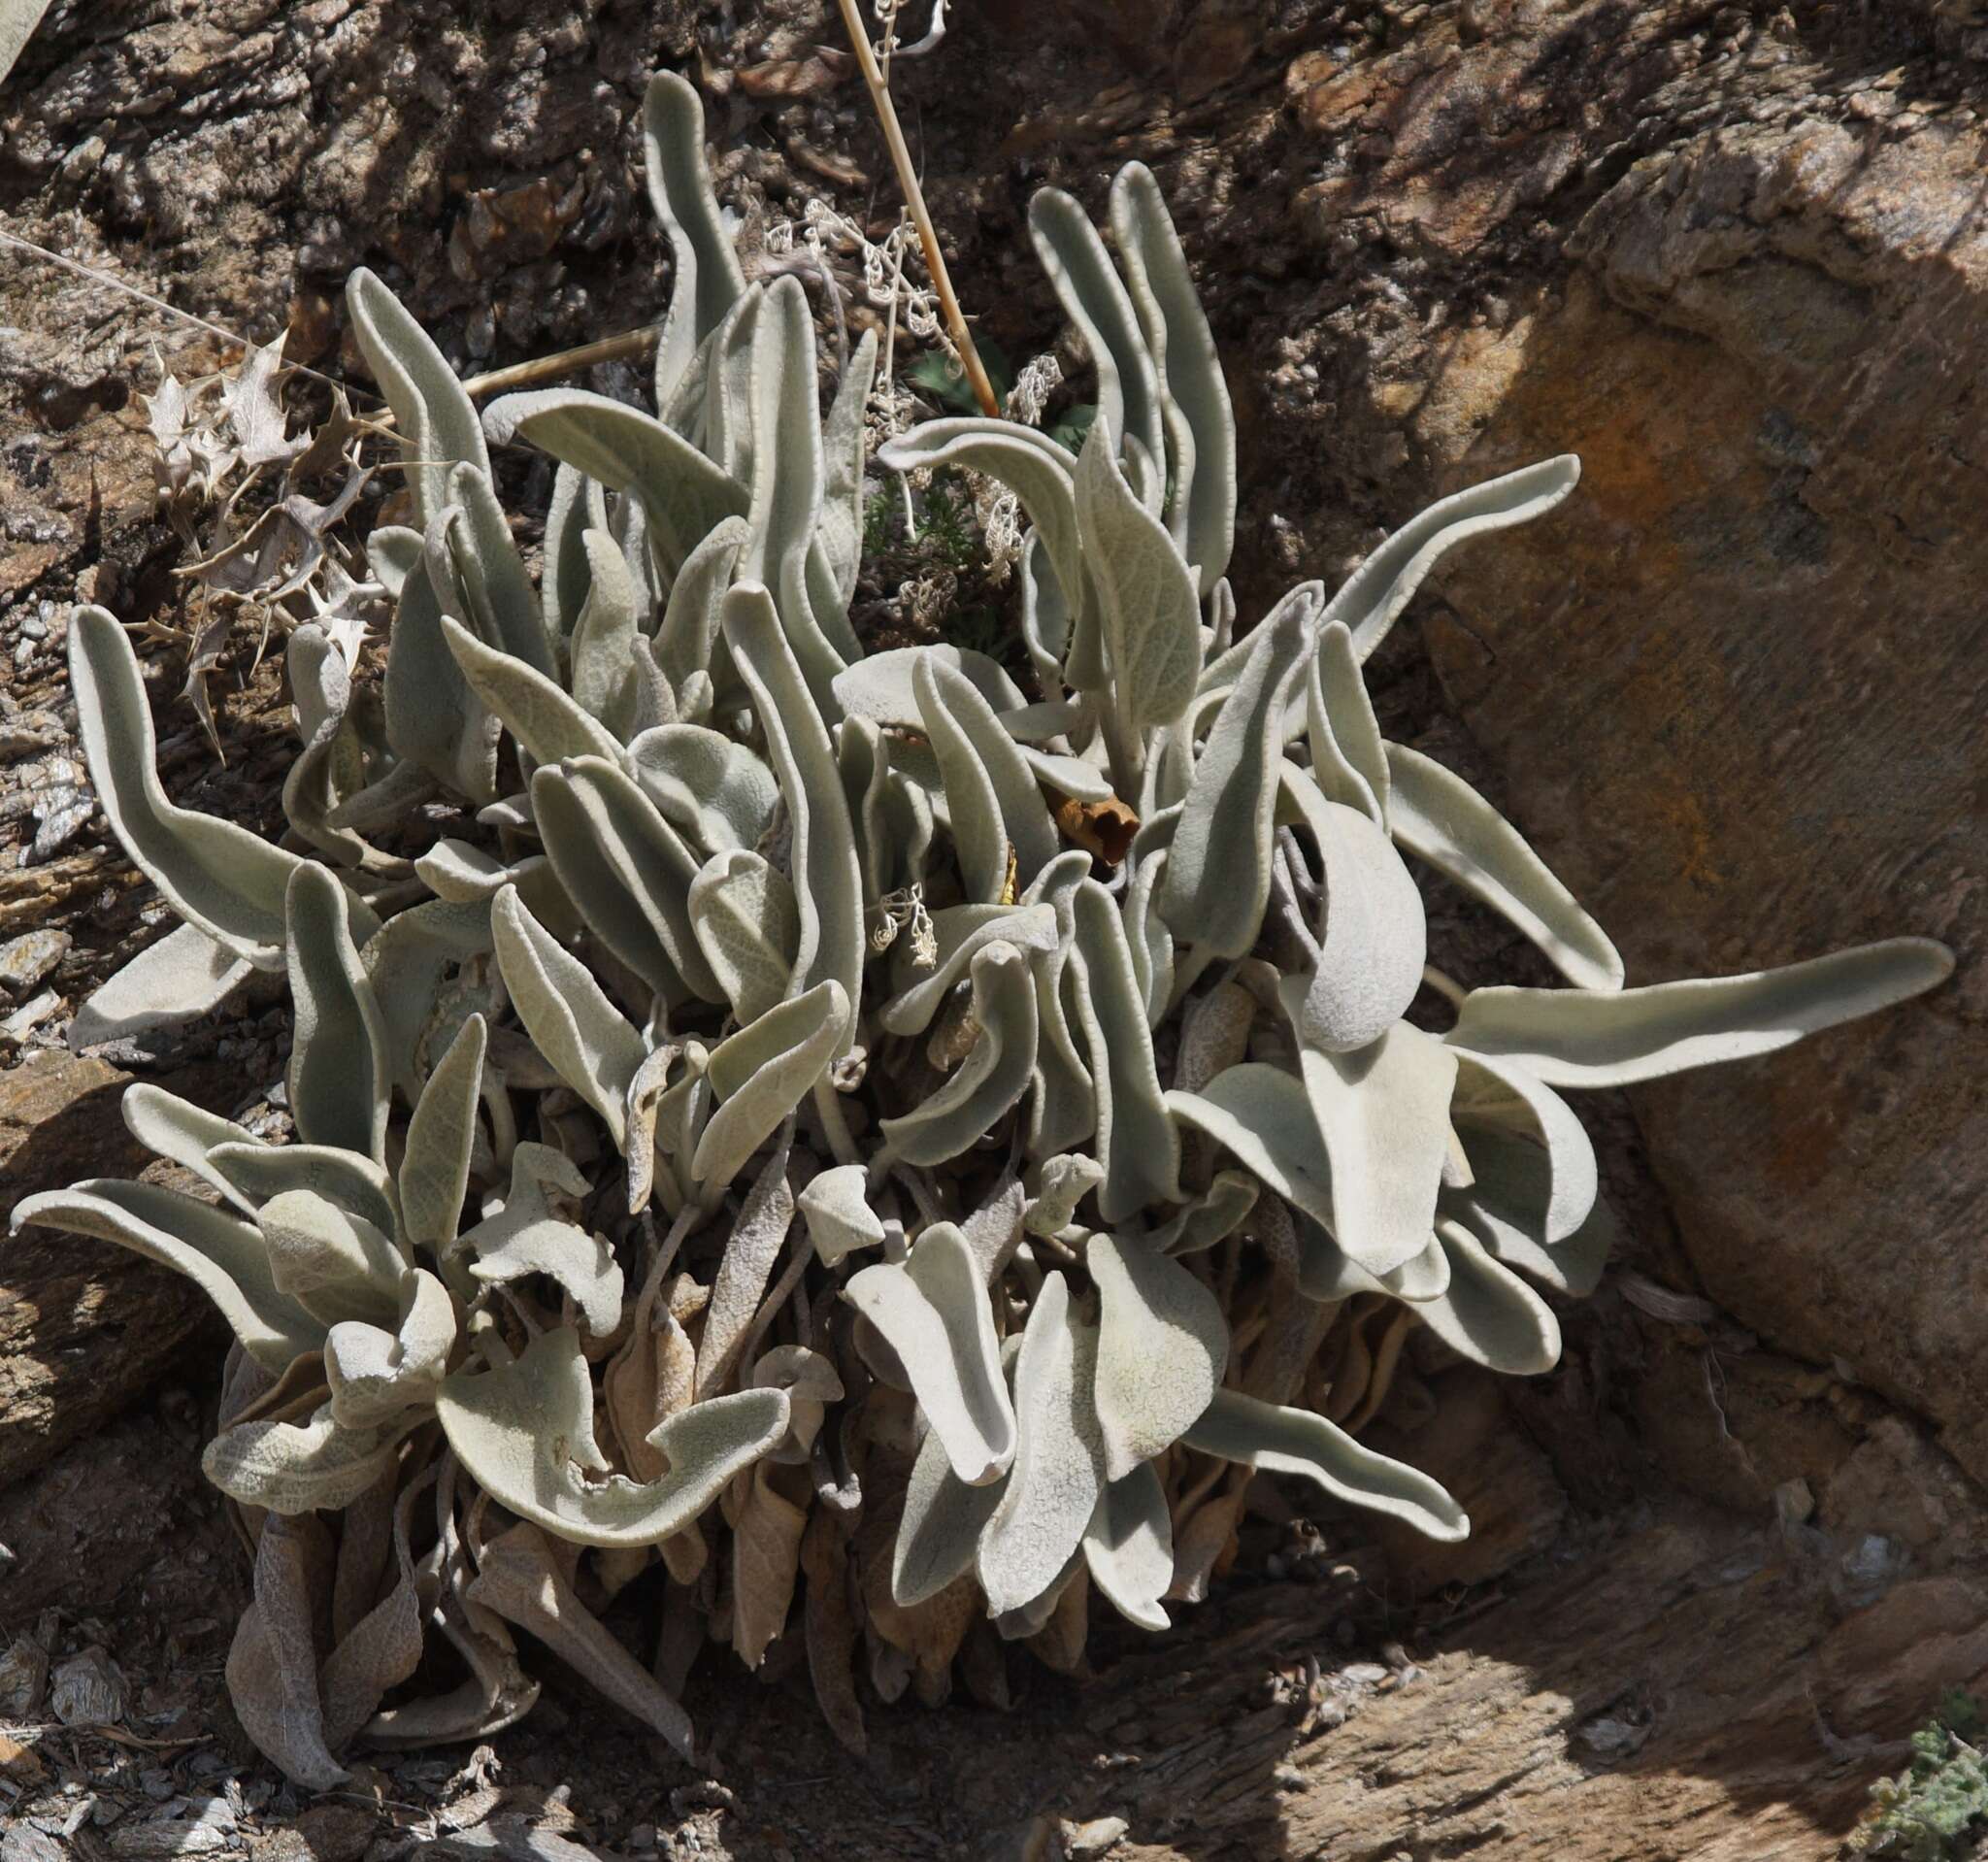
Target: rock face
{"x": 1735, "y": 688}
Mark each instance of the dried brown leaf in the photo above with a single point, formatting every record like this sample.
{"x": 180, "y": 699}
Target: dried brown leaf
{"x": 831, "y": 1628}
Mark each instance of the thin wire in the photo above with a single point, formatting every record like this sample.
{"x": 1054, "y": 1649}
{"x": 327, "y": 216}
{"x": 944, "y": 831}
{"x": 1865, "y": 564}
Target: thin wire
{"x": 173, "y": 310}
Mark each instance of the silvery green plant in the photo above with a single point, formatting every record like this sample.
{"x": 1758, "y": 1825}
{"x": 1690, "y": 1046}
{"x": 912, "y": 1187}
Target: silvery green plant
{"x": 769, "y": 1111}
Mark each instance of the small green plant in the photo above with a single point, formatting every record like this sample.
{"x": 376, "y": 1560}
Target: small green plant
{"x": 1937, "y": 1808}
{"x": 757, "y": 1136}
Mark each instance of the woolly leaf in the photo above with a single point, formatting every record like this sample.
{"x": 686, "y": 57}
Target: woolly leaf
{"x": 936, "y": 1316}
{"x": 1163, "y": 1345}
{"x": 1386, "y": 581}
{"x": 1202, "y": 445}
{"x": 839, "y": 1215}
{"x": 762, "y": 1073}
{"x": 1058, "y": 1471}
{"x": 716, "y": 792}
{"x": 705, "y": 279}
{"x": 436, "y": 420}
{"x": 184, "y": 976}
{"x": 1278, "y": 1441}
{"x": 626, "y": 871}
{"x": 226, "y": 881}
{"x": 1384, "y": 1113}
{"x": 1440, "y": 818}
{"x": 527, "y": 1236}
{"x": 589, "y": 1043}
{"x": 1218, "y": 865}
{"x": 223, "y": 1257}
{"x": 747, "y": 926}
{"x": 1148, "y": 613}
{"x": 993, "y": 1077}
{"x": 338, "y": 1075}
{"x": 1128, "y": 1547}
{"x": 1576, "y": 1037}
{"x": 525, "y": 1432}
{"x": 827, "y": 885}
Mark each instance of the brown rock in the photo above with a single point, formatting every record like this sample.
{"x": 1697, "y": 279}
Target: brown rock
{"x": 1769, "y": 608}
{"x": 1474, "y": 1447}
{"x": 84, "y": 1327}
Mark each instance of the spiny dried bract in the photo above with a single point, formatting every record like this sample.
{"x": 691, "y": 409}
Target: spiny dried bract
{"x": 750, "y": 1114}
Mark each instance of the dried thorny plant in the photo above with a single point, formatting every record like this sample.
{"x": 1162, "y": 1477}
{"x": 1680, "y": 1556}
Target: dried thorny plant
{"x": 846, "y": 1147}
{"x": 234, "y": 483}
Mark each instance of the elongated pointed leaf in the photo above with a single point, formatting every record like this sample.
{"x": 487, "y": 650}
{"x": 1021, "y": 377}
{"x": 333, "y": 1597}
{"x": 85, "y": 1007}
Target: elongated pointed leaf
{"x": 1487, "y": 1313}
{"x": 1163, "y": 1346}
{"x": 683, "y": 494}
{"x": 1129, "y": 1546}
{"x": 548, "y": 724}
{"x": 936, "y": 1314}
{"x": 590, "y": 1043}
{"x": 1384, "y": 1113}
{"x": 605, "y": 639}
{"x": 577, "y": 507}
{"x": 1072, "y": 255}
{"x": 436, "y": 420}
{"x": 827, "y": 885}
{"x": 989, "y": 787}
{"x": 1218, "y": 866}
{"x": 1058, "y": 1473}
{"x": 489, "y": 576}
{"x": 706, "y": 281}
{"x": 220, "y": 878}
{"x": 688, "y": 636}
{"x": 1576, "y": 1038}
{"x": 338, "y": 1077}
{"x": 941, "y": 1529}
{"x": 1280, "y": 1440}
{"x": 762, "y": 1073}
{"x": 1348, "y": 758}
{"x": 184, "y": 976}
{"x": 840, "y": 532}
{"x": 434, "y": 720}
{"x": 186, "y": 1132}
{"x": 526, "y": 1434}
{"x": 626, "y": 871}
{"x": 766, "y": 1219}
{"x": 223, "y": 1257}
{"x": 1385, "y": 582}
{"x": 1190, "y": 373}
{"x": 1148, "y": 613}
{"x": 787, "y": 481}
{"x": 1137, "y": 1141}
{"x": 1440, "y": 818}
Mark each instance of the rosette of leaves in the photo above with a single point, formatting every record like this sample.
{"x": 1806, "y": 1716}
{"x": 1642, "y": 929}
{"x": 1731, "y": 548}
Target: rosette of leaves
{"x": 778, "y": 1121}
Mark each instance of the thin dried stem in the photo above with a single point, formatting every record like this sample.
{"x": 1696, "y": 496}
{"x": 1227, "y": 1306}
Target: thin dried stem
{"x": 915, "y": 198}
{"x": 555, "y": 366}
